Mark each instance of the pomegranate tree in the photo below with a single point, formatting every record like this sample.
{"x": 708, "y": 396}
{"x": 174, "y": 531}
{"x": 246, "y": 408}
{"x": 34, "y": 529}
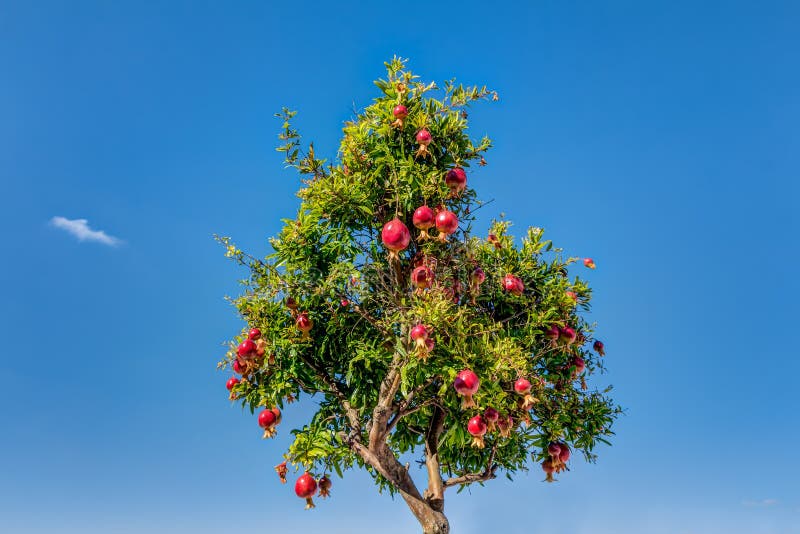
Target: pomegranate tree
{"x": 467, "y": 352}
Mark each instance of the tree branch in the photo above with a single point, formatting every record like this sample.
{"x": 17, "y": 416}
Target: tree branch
{"x": 350, "y": 412}
{"x": 435, "y": 492}
{"x": 469, "y": 478}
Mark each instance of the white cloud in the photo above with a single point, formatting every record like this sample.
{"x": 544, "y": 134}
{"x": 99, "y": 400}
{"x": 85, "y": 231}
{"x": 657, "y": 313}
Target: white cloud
{"x": 761, "y": 502}
{"x": 80, "y": 229}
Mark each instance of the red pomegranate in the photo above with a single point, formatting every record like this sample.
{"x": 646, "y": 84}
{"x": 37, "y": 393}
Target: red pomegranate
{"x": 278, "y": 415}
{"x": 589, "y": 262}
{"x": 552, "y": 333}
{"x": 564, "y": 453}
{"x": 229, "y": 385}
{"x": 579, "y": 365}
{"x": 568, "y": 335}
{"x": 554, "y": 450}
{"x": 400, "y": 112}
{"x": 429, "y": 345}
{"x": 304, "y": 324}
{"x": 395, "y": 237}
{"x": 549, "y": 467}
{"x": 261, "y": 348}
{"x": 477, "y": 277}
{"x": 282, "y": 470}
{"x": 513, "y": 284}
{"x": 494, "y": 240}
{"x": 572, "y": 295}
{"x": 422, "y": 278}
{"x": 267, "y": 421}
{"x": 505, "y": 424}
{"x": 446, "y": 223}
{"x": 419, "y": 334}
{"x": 325, "y": 486}
{"x": 246, "y": 348}
{"x": 345, "y": 303}
{"x": 599, "y": 347}
{"x": 254, "y": 334}
{"x": 523, "y": 387}
{"x": 491, "y": 416}
{"x": 291, "y": 303}
{"x": 424, "y": 218}
{"x": 456, "y": 180}
{"x": 238, "y": 367}
{"x": 477, "y": 427}
{"x": 305, "y": 488}
{"x": 467, "y": 384}
{"x": 424, "y": 139}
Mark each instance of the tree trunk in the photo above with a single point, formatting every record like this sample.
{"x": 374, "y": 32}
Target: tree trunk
{"x": 432, "y": 522}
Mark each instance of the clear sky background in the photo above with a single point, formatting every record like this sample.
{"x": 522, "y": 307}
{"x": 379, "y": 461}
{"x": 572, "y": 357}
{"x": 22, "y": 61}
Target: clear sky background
{"x": 660, "y": 138}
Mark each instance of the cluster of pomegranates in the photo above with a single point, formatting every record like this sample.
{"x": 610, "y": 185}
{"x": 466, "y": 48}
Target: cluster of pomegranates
{"x": 396, "y": 235}
{"x": 558, "y": 454}
{"x": 249, "y": 357}
{"x": 306, "y": 486}
{"x": 467, "y": 384}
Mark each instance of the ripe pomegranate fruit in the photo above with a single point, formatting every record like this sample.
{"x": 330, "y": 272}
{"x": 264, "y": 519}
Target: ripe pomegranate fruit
{"x": 238, "y": 367}
{"x": 477, "y": 427}
{"x": 491, "y": 416}
{"x": 552, "y": 333}
{"x": 494, "y": 240}
{"x": 395, "y": 237}
{"x": 261, "y": 347}
{"x": 564, "y": 453}
{"x": 456, "y": 180}
{"x": 304, "y": 324}
{"x": 282, "y": 470}
{"x": 345, "y": 303}
{"x": 446, "y": 223}
{"x": 589, "y": 262}
{"x": 246, "y": 348}
{"x": 476, "y": 278}
{"x": 424, "y": 219}
{"x": 567, "y": 335}
{"x": 267, "y": 421}
{"x": 554, "y": 450}
{"x": 229, "y": 385}
{"x": 429, "y": 345}
{"x": 505, "y": 424}
{"x": 422, "y": 278}
{"x": 523, "y": 387}
{"x": 513, "y": 284}
{"x": 467, "y": 384}
{"x": 549, "y": 467}
{"x": 579, "y": 365}
{"x": 420, "y": 334}
{"x": 278, "y": 415}
{"x": 324, "y": 486}
{"x": 424, "y": 139}
{"x": 254, "y": 334}
{"x": 599, "y": 347}
{"x": 291, "y": 303}
{"x": 305, "y": 488}
{"x": 400, "y": 112}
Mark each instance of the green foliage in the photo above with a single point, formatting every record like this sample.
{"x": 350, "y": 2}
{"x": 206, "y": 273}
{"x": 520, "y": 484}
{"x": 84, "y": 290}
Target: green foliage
{"x": 332, "y": 252}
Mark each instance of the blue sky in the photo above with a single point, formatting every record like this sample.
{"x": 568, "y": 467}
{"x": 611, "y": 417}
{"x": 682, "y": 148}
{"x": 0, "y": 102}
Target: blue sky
{"x": 660, "y": 138}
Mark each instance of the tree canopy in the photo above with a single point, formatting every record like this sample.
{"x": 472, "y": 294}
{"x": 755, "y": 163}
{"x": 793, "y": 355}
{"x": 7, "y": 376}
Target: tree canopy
{"x": 412, "y": 336}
